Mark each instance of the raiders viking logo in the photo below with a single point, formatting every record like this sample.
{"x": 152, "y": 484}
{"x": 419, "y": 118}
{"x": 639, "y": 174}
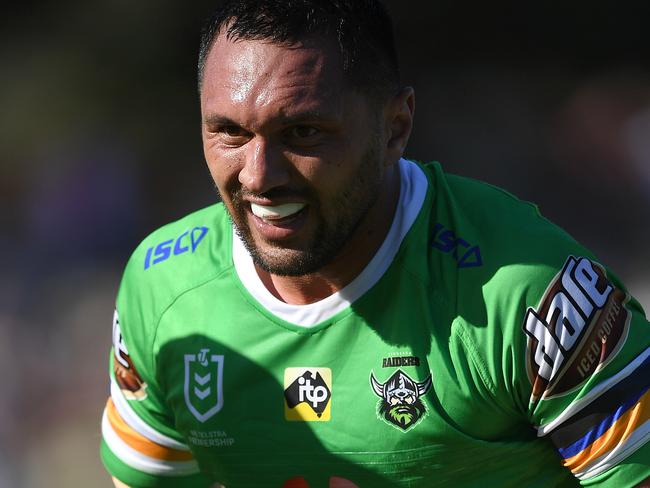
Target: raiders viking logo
{"x": 400, "y": 403}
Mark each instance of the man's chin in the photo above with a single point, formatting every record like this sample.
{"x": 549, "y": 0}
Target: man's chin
{"x": 285, "y": 262}
{"x": 299, "y": 255}
{"x": 278, "y": 260}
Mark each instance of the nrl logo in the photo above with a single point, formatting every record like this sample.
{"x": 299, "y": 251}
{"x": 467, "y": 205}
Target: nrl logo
{"x": 203, "y": 384}
{"x": 400, "y": 403}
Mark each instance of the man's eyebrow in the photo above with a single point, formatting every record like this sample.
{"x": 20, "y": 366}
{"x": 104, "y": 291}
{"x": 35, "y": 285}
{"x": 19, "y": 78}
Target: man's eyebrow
{"x": 216, "y": 119}
{"x": 281, "y": 118}
{"x": 307, "y": 116}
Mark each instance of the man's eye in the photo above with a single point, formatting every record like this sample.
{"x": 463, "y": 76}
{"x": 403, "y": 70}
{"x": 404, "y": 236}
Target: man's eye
{"x": 232, "y": 135}
{"x": 232, "y": 131}
{"x": 302, "y": 131}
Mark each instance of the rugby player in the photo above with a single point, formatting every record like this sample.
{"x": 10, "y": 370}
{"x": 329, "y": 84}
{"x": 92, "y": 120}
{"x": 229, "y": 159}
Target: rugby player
{"x": 349, "y": 318}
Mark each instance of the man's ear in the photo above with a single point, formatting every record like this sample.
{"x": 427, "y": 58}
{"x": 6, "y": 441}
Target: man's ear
{"x": 399, "y": 122}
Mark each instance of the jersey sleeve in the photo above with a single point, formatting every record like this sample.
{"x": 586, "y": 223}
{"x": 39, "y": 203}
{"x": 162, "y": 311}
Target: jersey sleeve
{"x": 587, "y": 360}
{"x": 140, "y": 446}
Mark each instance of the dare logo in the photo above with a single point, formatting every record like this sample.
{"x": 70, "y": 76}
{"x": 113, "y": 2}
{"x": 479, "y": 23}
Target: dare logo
{"x": 578, "y": 327}
{"x": 126, "y": 376}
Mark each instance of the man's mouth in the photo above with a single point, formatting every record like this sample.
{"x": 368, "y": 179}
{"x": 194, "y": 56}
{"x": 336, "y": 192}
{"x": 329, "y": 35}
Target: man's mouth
{"x": 274, "y": 213}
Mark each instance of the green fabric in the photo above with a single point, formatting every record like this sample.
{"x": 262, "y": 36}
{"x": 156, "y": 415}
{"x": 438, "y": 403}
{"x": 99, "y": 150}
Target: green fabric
{"x": 455, "y": 297}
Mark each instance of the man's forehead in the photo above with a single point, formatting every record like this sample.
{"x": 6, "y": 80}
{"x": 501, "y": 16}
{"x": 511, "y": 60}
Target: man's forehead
{"x": 238, "y": 61}
{"x": 257, "y": 81}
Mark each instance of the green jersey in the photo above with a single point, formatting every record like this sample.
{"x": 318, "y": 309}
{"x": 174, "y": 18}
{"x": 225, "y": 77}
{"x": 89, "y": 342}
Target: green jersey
{"x": 481, "y": 346}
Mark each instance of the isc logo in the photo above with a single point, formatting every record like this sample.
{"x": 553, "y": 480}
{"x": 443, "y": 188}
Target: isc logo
{"x": 446, "y": 241}
{"x": 187, "y": 241}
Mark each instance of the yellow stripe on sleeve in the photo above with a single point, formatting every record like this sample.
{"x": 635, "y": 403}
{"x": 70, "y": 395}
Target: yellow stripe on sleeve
{"x": 614, "y": 438}
{"x": 140, "y": 443}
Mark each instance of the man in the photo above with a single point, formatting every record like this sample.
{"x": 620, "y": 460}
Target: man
{"x": 348, "y": 318}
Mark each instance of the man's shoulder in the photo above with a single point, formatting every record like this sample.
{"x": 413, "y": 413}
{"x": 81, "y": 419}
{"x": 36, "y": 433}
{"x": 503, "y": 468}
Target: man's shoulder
{"x": 488, "y": 208}
{"x": 177, "y": 257}
{"x": 494, "y": 248}
{"x": 483, "y": 226}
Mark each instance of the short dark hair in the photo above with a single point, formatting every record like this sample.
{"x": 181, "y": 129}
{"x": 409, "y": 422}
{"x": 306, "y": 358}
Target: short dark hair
{"x": 362, "y": 30}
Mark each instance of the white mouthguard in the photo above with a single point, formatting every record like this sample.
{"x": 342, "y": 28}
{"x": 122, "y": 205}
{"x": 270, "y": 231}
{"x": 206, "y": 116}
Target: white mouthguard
{"x": 276, "y": 212}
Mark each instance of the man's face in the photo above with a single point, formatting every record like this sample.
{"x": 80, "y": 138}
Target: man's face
{"x": 295, "y": 153}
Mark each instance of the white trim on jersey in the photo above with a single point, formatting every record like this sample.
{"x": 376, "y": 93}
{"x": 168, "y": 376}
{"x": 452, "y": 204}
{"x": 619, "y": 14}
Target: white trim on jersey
{"x": 136, "y": 423}
{"x": 613, "y": 457}
{"x": 139, "y": 461}
{"x": 597, "y": 391}
{"x": 413, "y": 188}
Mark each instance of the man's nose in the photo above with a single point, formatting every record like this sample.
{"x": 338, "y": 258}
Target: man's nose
{"x": 265, "y": 167}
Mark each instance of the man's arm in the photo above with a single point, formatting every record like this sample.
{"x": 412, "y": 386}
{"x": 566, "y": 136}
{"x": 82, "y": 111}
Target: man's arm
{"x": 588, "y": 358}
{"x": 118, "y": 483}
{"x": 136, "y": 443}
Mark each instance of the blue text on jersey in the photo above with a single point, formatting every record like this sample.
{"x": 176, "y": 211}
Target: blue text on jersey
{"x": 188, "y": 240}
{"x": 446, "y": 241}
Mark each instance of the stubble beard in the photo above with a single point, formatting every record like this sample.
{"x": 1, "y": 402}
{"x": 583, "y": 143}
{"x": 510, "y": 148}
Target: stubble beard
{"x": 348, "y": 210}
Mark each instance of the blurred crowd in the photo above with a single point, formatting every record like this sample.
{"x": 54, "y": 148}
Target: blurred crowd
{"x": 100, "y": 144}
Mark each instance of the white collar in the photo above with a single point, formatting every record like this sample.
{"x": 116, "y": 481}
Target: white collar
{"x": 413, "y": 188}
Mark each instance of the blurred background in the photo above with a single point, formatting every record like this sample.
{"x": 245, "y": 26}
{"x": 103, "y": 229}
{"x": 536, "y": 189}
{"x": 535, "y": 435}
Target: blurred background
{"x": 100, "y": 145}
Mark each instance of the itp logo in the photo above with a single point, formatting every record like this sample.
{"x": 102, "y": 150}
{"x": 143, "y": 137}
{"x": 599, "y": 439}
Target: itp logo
{"x": 307, "y": 394}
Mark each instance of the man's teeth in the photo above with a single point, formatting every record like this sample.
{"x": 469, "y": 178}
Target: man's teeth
{"x": 276, "y": 212}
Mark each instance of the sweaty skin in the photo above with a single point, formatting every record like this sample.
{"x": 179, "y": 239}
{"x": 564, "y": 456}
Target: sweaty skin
{"x": 285, "y": 135}
{"x": 305, "y": 164}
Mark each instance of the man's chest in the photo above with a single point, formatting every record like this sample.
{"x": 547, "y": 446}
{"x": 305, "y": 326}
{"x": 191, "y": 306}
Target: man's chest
{"x": 376, "y": 398}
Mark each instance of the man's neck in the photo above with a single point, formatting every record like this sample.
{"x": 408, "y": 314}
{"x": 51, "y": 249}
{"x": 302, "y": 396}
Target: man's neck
{"x": 355, "y": 256}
